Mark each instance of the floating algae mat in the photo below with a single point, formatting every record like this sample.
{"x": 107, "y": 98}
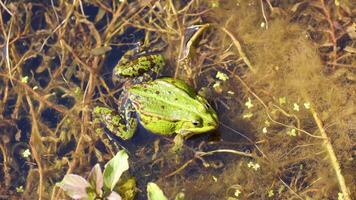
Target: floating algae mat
{"x": 260, "y": 93}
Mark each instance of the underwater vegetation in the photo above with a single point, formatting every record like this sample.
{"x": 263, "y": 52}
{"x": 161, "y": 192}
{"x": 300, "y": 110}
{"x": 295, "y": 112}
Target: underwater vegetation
{"x": 281, "y": 76}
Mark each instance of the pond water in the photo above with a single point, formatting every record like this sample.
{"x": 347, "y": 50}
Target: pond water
{"x": 280, "y": 75}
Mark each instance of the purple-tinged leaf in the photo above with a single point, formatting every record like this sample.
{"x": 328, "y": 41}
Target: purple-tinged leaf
{"x": 74, "y": 186}
{"x": 114, "y": 196}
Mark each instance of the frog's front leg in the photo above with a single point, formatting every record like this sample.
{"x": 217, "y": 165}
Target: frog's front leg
{"x": 122, "y": 124}
{"x": 179, "y": 140}
{"x": 178, "y": 143}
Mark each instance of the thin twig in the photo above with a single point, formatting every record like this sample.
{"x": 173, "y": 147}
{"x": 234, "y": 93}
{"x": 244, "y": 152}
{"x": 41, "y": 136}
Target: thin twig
{"x": 5, "y": 8}
{"x": 208, "y": 153}
{"x": 290, "y": 189}
{"x": 7, "y": 47}
{"x": 239, "y": 49}
{"x": 264, "y": 14}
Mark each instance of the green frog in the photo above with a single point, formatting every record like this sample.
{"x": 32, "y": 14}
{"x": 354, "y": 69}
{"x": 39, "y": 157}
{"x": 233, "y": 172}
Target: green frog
{"x": 163, "y": 106}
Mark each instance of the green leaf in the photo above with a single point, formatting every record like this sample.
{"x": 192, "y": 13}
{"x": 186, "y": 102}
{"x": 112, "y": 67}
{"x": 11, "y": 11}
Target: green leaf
{"x": 180, "y": 196}
{"x": 222, "y": 76}
{"x": 100, "y": 50}
{"x": 154, "y": 192}
{"x": 75, "y": 186}
{"x": 96, "y": 179}
{"x": 114, "y": 169}
{"x": 100, "y": 15}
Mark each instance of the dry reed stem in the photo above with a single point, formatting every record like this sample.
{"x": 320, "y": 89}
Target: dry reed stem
{"x": 35, "y": 137}
{"x": 332, "y": 156}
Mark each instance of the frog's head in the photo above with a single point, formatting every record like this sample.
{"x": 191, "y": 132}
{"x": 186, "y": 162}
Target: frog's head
{"x": 203, "y": 121}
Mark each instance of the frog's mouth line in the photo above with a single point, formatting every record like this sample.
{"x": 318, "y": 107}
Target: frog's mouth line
{"x": 194, "y": 131}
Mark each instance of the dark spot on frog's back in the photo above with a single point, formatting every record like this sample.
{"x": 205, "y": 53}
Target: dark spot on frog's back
{"x": 176, "y": 99}
{"x": 157, "y": 92}
{"x": 141, "y": 70}
{"x": 162, "y": 107}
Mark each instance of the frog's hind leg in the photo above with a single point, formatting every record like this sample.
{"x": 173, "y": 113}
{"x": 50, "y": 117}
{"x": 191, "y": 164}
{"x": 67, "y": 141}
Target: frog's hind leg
{"x": 123, "y": 124}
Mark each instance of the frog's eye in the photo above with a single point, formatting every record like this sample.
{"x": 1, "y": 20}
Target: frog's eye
{"x": 196, "y": 122}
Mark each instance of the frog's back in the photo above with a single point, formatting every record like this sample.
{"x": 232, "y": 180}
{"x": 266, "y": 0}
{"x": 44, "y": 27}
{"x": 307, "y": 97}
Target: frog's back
{"x": 166, "y": 98}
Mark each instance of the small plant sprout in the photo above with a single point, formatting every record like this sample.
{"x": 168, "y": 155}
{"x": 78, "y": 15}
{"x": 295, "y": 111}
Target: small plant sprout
{"x": 78, "y": 94}
{"x": 237, "y": 193}
{"x": 230, "y": 92}
{"x": 306, "y": 105}
{"x": 180, "y": 196}
{"x": 264, "y": 130}
{"x": 19, "y": 189}
{"x": 221, "y": 76}
{"x": 217, "y": 87}
{"x": 340, "y": 196}
{"x": 281, "y": 189}
{"x": 217, "y": 84}
{"x": 267, "y": 123}
{"x": 247, "y": 115}
{"x": 24, "y": 79}
{"x": 99, "y": 185}
{"x": 296, "y": 107}
{"x": 248, "y": 103}
{"x": 282, "y": 100}
{"x": 254, "y": 166}
{"x": 26, "y": 153}
{"x": 292, "y": 132}
{"x": 215, "y": 4}
{"x": 263, "y": 25}
{"x": 270, "y": 193}
{"x": 215, "y": 179}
